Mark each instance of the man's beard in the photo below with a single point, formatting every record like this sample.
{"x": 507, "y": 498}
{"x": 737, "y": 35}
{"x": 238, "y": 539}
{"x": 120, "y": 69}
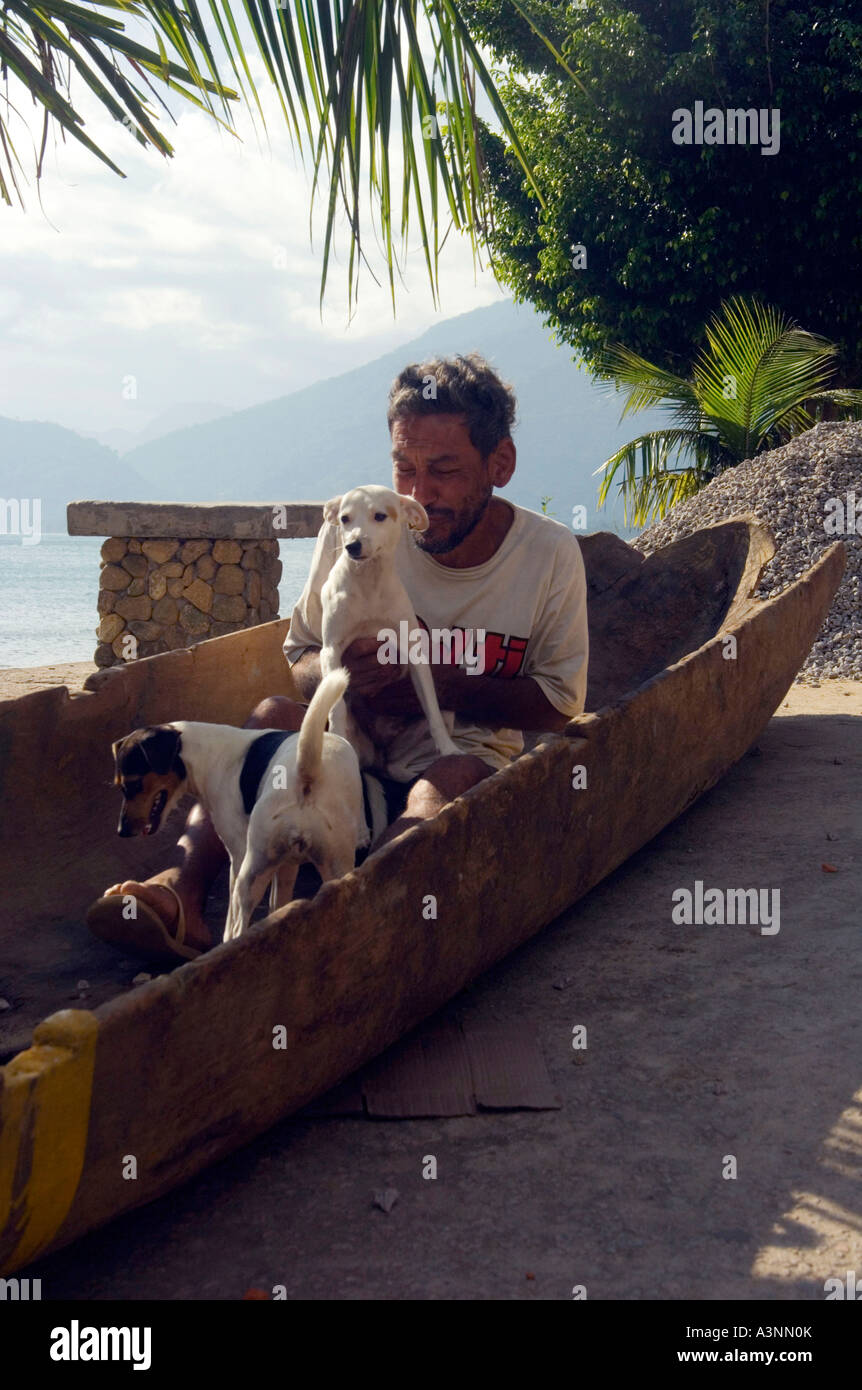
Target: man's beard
{"x": 465, "y": 522}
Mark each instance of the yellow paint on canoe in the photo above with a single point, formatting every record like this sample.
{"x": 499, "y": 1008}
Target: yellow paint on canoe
{"x": 44, "y": 1116}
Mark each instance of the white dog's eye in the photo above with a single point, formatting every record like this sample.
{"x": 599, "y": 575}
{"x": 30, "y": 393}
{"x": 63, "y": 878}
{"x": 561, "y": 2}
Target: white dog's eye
{"x": 344, "y": 520}
{"x": 379, "y": 516}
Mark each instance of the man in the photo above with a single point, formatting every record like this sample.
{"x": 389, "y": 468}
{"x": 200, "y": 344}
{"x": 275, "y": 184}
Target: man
{"x": 483, "y": 565}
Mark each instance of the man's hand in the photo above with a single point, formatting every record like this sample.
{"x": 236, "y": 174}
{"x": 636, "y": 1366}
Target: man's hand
{"x": 400, "y": 698}
{"x": 368, "y": 675}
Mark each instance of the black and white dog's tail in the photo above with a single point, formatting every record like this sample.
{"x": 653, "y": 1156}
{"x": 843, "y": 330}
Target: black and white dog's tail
{"x": 310, "y": 747}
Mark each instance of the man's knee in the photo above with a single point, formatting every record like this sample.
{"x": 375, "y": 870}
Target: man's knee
{"x": 276, "y": 712}
{"x": 448, "y": 777}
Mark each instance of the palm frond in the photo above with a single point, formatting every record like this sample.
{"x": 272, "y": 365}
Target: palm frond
{"x": 342, "y": 69}
{"x": 848, "y": 400}
{"x": 754, "y": 385}
{"x": 652, "y": 498}
{"x": 642, "y": 382}
{"x": 653, "y": 477}
{"x": 756, "y": 368}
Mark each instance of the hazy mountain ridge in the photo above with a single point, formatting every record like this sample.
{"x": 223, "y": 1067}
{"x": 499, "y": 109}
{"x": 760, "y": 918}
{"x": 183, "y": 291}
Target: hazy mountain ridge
{"x": 327, "y": 437}
{"x": 318, "y": 441}
{"x": 40, "y": 459}
{"x": 176, "y": 417}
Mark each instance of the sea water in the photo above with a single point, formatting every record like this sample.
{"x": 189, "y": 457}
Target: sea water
{"x": 48, "y": 596}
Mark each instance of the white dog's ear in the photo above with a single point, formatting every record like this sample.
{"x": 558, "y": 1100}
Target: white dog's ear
{"x": 414, "y": 514}
{"x": 331, "y": 509}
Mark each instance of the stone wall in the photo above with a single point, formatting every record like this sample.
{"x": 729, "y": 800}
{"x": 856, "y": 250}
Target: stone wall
{"x": 166, "y": 593}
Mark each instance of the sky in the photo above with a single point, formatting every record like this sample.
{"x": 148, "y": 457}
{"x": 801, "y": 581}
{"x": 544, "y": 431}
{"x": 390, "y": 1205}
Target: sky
{"x": 192, "y": 279}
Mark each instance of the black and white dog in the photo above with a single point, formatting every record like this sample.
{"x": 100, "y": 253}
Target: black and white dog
{"x": 276, "y": 799}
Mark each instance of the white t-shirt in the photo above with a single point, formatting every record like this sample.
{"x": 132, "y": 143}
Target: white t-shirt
{"x": 531, "y": 600}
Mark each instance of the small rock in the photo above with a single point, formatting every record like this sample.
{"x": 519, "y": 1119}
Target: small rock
{"x": 386, "y": 1198}
{"x": 83, "y": 986}
{"x": 4, "y": 1004}
{"x": 230, "y": 579}
{"x": 142, "y": 978}
{"x": 200, "y": 594}
{"x": 227, "y": 552}
{"x": 830, "y": 836}
{"x": 228, "y": 608}
{"x": 160, "y": 551}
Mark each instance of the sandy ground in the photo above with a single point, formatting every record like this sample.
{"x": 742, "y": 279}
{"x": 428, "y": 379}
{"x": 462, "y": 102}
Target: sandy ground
{"x": 23, "y": 680}
{"x": 705, "y": 1043}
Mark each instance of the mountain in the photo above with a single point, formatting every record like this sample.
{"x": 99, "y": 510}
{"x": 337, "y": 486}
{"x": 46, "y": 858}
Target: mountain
{"x": 330, "y": 436}
{"x": 176, "y": 417}
{"x": 57, "y": 465}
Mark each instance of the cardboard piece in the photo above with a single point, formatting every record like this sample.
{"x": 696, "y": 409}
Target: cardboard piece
{"x": 508, "y": 1068}
{"x": 427, "y": 1074}
{"x": 448, "y": 1069}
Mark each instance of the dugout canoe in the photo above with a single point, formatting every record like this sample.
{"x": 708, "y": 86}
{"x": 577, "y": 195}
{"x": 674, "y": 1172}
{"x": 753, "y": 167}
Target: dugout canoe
{"x": 182, "y": 1070}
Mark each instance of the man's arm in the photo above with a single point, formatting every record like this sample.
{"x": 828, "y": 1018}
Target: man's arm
{"x": 306, "y": 672}
{"x": 509, "y": 704}
{"x": 518, "y": 703}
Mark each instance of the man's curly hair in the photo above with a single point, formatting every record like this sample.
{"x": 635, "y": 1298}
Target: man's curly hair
{"x": 465, "y": 385}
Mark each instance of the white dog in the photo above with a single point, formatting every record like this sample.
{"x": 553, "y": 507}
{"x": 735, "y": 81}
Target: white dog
{"x": 276, "y": 799}
{"x": 364, "y": 593}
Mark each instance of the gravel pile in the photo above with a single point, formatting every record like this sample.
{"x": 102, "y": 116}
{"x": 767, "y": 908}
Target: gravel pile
{"x": 794, "y": 490}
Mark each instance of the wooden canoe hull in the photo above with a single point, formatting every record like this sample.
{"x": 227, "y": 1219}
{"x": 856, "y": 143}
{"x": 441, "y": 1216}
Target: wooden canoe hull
{"x": 184, "y": 1070}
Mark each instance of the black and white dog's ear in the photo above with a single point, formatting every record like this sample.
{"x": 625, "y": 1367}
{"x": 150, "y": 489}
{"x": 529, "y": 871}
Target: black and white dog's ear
{"x": 161, "y": 749}
{"x": 331, "y": 509}
{"x": 117, "y": 751}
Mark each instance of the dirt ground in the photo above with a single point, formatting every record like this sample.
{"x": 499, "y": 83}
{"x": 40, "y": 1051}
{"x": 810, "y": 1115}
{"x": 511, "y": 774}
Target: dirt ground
{"x": 705, "y": 1043}
{"x": 23, "y": 680}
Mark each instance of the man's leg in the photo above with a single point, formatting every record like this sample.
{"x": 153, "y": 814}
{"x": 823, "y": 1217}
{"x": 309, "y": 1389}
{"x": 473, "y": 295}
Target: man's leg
{"x": 203, "y": 854}
{"x": 442, "y": 781}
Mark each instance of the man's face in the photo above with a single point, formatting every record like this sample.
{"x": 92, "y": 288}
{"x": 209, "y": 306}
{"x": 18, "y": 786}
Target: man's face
{"x": 434, "y": 461}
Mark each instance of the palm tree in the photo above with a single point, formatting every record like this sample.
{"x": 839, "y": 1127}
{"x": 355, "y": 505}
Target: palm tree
{"x": 340, "y": 68}
{"x": 758, "y": 382}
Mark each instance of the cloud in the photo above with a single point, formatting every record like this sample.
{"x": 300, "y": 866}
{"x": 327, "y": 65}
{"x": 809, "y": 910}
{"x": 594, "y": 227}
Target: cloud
{"x": 144, "y": 307}
{"x": 195, "y": 274}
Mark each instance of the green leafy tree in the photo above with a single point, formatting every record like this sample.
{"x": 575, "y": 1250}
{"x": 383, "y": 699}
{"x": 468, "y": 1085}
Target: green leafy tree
{"x": 671, "y": 230}
{"x": 759, "y": 380}
{"x": 343, "y": 69}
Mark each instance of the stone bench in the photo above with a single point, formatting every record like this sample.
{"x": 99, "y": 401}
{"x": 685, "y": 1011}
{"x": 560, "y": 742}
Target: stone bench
{"x": 174, "y": 573}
